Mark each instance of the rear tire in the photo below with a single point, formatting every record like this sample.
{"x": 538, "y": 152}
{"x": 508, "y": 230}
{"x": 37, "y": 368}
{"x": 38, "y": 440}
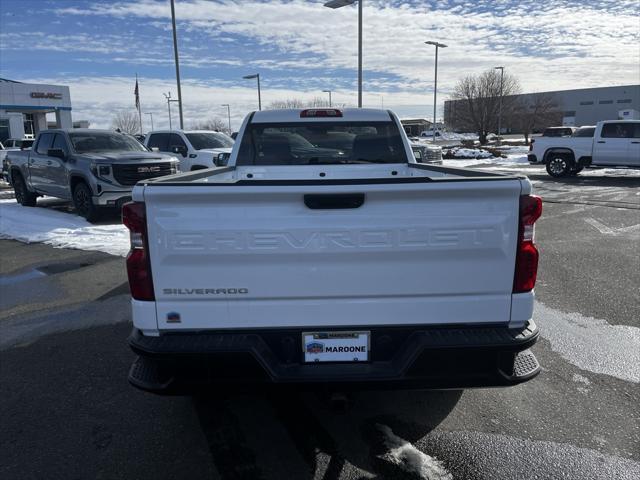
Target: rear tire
{"x": 576, "y": 170}
{"x": 83, "y": 202}
{"x": 23, "y": 196}
{"x": 558, "y": 165}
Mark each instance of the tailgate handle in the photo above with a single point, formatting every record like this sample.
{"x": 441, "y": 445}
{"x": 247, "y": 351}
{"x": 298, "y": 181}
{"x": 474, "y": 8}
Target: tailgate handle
{"x": 334, "y": 201}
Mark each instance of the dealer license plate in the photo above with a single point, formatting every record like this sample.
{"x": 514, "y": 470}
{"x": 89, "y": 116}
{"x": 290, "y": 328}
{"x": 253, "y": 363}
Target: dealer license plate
{"x": 335, "y": 346}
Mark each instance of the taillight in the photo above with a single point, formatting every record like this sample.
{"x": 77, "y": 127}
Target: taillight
{"x": 531, "y": 145}
{"x": 138, "y": 264}
{"x": 527, "y": 254}
{"x": 320, "y": 112}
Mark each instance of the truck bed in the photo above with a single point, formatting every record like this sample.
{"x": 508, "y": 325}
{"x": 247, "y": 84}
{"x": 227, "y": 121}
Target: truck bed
{"x": 326, "y": 174}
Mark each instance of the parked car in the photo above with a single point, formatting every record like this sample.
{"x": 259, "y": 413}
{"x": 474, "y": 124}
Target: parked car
{"x": 93, "y": 168}
{"x": 429, "y": 133}
{"x": 427, "y": 153}
{"x": 558, "y": 131}
{"x": 613, "y": 143}
{"x": 8, "y": 145}
{"x": 196, "y": 149}
{"x": 367, "y": 270}
{"x": 3, "y": 164}
{"x": 18, "y": 143}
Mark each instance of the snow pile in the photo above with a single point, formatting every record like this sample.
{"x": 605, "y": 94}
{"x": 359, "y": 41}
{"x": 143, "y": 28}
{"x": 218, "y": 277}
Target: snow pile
{"x": 469, "y": 153}
{"x": 62, "y": 230}
{"x": 410, "y": 459}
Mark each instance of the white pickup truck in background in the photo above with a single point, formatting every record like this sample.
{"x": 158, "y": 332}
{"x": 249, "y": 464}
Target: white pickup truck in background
{"x": 610, "y": 144}
{"x": 345, "y": 263}
{"x": 195, "y": 149}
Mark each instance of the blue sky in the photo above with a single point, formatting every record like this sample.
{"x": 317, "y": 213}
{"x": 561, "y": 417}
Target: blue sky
{"x": 301, "y": 48}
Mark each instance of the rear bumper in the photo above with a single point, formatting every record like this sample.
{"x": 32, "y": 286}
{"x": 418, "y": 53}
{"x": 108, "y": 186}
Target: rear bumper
{"x": 401, "y": 357}
{"x": 531, "y": 158}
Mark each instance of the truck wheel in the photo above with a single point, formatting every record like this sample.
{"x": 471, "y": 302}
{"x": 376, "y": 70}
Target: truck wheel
{"x": 558, "y": 166}
{"x": 23, "y": 196}
{"x": 83, "y": 202}
{"x": 576, "y": 170}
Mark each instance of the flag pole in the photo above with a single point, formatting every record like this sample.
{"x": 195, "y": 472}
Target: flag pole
{"x": 139, "y": 107}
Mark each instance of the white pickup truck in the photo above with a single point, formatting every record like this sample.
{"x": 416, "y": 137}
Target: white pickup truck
{"x": 351, "y": 265}
{"x": 195, "y": 149}
{"x": 610, "y": 144}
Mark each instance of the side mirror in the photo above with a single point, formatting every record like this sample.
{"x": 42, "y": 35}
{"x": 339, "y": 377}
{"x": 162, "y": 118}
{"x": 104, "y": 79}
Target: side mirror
{"x": 57, "y": 152}
{"x": 222, "y": 160}
{"x": 179, "y": 150}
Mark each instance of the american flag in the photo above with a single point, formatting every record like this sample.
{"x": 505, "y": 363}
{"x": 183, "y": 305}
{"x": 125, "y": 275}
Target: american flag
{"x": 136, "y": 92}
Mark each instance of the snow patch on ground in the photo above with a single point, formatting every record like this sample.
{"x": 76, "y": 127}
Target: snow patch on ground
{"x": 59, "y": 229}
{"x": 410, "y": 459}
{"x": 469, "y": 153}
{"x": 592, "y": 344}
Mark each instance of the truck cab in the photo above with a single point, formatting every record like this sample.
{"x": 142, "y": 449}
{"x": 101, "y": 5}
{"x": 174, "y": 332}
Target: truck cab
{"x": 195, "y": 149}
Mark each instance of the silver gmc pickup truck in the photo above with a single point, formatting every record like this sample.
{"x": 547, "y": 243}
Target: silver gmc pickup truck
{"x": 93, "y": 168}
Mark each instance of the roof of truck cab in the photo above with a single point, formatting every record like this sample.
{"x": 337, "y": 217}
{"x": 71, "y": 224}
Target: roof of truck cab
{"x": 348, "y": 115}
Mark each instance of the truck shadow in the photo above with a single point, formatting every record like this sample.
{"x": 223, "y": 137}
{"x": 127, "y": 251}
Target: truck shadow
{"x": 321, "y": 441}
{"x": 618, "y": 181}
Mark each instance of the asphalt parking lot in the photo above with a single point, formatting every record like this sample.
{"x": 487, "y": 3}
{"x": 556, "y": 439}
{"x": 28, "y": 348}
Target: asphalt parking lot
{"x": 68, "y": 411}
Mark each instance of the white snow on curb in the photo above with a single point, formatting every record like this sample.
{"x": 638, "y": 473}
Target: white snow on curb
{"x": 410, "y": 459}
{"x": 62, "y": 230}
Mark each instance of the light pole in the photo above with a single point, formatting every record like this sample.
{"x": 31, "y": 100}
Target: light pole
{"x": 228, "y": 114}
{"x": 500, "y": 107}
{"x": 257, "y": 76}
{"x": 150, "y": 115}
{"x": 175, "y": 54}
{"x": 343, "y": 3}
{"x": 169, "y": 100}
{"x": 329, "y": 92}
{"x": 435, "y": 85}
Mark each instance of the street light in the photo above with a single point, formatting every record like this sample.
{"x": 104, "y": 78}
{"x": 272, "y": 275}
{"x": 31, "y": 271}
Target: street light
{"x": 329, "y": 92}
{"x": 343, "y": 3}
{"x": 250, "y": 77}
{"x": 500, "y": 107}
{"x": 169, "y": 100}
{"x": 175, "y": 54}
{"x": 150, "y": 115}
{"x": 435, "y": 85}
{"x": 228, "y": 114}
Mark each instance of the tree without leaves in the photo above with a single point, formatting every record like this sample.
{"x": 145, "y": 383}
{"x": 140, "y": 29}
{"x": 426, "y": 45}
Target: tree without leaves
{"x": 315, "y": 102}
{"x": 539, "y": 111}
{"x": 479, "y": 97}
{"x": 216, "y": 124}
{"x": 127, "y": 121}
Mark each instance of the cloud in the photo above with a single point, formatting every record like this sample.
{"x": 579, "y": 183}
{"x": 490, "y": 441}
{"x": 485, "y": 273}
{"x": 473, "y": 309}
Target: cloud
{"x": 98, "y": 99}
{"x": 301, "y": 48}
{"x": 559, "y": 45}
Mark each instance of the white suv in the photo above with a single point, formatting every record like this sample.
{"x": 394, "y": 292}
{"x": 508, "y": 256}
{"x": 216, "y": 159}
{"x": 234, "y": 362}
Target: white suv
{"x": 196, "y": 149}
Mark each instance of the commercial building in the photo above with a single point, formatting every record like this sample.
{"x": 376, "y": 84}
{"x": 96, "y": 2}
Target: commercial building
{"x": 24, "y": 108}
{"x": 585, "y": 106}
{"x": 415, "y": 126}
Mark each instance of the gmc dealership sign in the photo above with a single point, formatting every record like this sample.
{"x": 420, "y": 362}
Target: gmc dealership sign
{"x": 55, "y": 96}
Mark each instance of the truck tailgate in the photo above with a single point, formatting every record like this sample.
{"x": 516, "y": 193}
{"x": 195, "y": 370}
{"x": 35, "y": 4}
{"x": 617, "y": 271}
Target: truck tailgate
{"x": 257, "y": 256}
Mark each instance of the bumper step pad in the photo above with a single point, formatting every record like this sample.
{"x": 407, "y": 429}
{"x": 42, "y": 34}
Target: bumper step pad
{"x": 148, "y": 374}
